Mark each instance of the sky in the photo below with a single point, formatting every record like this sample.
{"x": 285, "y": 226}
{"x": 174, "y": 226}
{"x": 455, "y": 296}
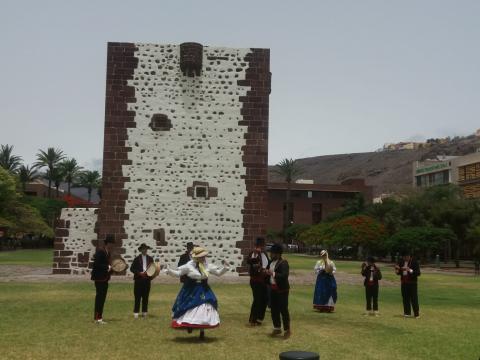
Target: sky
{"x": 347, "y": 76}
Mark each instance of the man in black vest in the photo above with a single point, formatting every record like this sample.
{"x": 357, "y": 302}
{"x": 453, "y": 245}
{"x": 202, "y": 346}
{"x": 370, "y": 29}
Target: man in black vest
{"x": 372, "y": 275}
{"x": 257, "y": 265}
{"x": 409, "y": 270}
{"x": 185, "y": 258}
{"x": 278, "y": 270}
{"x": 142, "y": 282}
{"x": 101, "y": 274}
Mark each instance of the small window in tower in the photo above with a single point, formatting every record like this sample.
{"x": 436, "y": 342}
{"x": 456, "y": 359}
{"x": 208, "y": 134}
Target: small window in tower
{"x": 200, "y": 191}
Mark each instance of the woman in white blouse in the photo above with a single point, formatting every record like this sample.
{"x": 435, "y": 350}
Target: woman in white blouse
{"x": 196, "y": 304}
{"x": 325, "y": 295}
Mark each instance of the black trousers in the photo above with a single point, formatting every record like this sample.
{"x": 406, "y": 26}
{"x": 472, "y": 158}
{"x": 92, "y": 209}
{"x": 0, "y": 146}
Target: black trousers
{"x": 371, "y": 295}
{"x": 260, "y": 299}
{"x": 410, "y": 298}
{"x": 101, "y": 288}
{"x": 141, "y": 291}
{"x": 279, "y": 306}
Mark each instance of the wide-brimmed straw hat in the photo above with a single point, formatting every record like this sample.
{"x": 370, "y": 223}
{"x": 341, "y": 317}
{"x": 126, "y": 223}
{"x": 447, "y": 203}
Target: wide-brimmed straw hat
{"x": 144, "y": 246}
{"x": 198, "y": 252}
{"x": 324, "y": 253}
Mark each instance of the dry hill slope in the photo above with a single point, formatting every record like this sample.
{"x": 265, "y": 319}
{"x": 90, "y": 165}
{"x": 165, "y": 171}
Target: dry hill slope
{"x": 387, "y": 171}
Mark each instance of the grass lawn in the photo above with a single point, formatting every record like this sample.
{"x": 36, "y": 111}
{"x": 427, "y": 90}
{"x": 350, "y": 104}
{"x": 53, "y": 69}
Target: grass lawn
{"x": 54, "y": 321}
{"x": 43, "y": 257}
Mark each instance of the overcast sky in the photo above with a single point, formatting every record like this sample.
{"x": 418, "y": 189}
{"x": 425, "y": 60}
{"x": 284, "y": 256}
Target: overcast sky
{"x": 348, "y": 76}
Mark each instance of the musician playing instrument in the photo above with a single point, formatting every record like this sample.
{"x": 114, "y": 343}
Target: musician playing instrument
{"x": 101, "y": 275}
{"x": 142, "y": 281}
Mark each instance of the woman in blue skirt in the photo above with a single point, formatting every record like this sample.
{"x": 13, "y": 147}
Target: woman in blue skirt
{"x": 196, "y": 304}
{"x": 325, "y": 295}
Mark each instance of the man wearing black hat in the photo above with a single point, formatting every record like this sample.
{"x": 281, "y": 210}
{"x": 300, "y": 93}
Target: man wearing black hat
{"x": 278, "y": 271}
{"x": 101, "y": 274}
{"x": 372, "y": 275}
{"x": 142, "y": 282}
{"x": 185, "y": 258}
{"x": 409, "y": 270}
{"x": 257, "y": 265}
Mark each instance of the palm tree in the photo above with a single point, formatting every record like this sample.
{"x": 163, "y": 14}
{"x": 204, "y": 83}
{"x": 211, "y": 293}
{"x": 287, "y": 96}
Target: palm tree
{"x": 90, "y": 180}
{"x": 50, "y": 158}
{"x": 8, "y": 161}
{"x": 27, "y": 174}
{"x": 290, "y": 170}
{"x": 56, "y": 177}
{"x": 70, "y": 171}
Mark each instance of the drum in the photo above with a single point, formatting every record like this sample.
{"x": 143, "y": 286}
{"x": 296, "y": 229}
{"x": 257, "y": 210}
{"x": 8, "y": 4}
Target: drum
{"x": 153, "y": 270}
{"x": 119, "y": 265}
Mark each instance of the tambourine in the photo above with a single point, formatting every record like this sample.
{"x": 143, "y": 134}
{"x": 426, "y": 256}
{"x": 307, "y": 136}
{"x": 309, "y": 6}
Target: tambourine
{"x": 153, "y": 270}
{"x": 119, "y": 265}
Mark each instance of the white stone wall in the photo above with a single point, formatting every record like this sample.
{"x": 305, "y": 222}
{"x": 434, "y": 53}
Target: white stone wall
{"x": 80, "y": 225}
{"x": 204, "y": 144}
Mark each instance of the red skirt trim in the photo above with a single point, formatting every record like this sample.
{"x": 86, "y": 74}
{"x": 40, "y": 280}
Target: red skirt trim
{"x": 176, "y": 325}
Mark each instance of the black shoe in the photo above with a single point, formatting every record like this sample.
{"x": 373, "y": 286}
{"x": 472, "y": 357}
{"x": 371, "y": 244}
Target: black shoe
{"x": 189, "y": 330}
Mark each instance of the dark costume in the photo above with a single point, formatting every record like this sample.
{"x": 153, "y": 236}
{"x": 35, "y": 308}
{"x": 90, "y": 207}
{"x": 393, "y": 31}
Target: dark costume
{"x": 279, "y": 295}
{"x": 142, "y": 282}
{"x": 100, "y": 275}
{"x": 184, "y": 258}
{"x": 372, "y": 274}
{"x": 257, "y": 263}
{"x": 409, "y": 286}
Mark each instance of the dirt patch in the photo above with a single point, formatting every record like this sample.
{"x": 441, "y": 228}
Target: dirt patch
{"x": 24, "y": 273}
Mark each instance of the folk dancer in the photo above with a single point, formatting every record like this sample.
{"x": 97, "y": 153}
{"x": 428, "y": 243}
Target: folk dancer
{"x": 101, "y": 275}
{"x": 278, "y": 271}
{"x": 409, "y": 270}
{"x": 142, "y": 282}
{"x": 196, "y": 304}
{"x": 257, "y": 264}
{"x": 372, "y": 275}
{"x": 325, "y": 295}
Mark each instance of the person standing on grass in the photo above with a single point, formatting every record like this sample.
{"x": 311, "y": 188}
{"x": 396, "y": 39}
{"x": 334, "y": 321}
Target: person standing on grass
{"x": 257, "y": 265}
{"x": 185, "y": 258}
{"x": 409, "y": 270}
{"x": 101, "y": 275}
{"x": 142, "y": 282}
{"x": 278, "y": 271}
{"x": 325, "y": 296}
{"x": 372, "y": 275}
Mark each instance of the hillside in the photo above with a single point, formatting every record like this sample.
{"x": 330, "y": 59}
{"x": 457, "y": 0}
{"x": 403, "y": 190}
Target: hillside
{"x": 386, "y": 171}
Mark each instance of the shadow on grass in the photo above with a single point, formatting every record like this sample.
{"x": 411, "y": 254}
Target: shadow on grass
{"x": 194, "y": 340}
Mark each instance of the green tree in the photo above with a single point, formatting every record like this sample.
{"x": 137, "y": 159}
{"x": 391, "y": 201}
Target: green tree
{"x": 27, "y": 174}
{"x": 361, "y": 232}
{"x": 8, "y": 161}
{"x": 70, "y": 170}
{"x": 90, "y": 180}
{"x": 18, "y": 216}
{"x": 421, "y": 240}
{"x": 290, "y": 170}
{"x": 50, "y": 159}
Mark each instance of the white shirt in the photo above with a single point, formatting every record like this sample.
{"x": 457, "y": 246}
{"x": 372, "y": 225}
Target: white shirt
{"x": 144, "y": 262}
{"x": 320, "y": 266}
{"x": 264, "y": 261}
{"x": 272, "y": 268}
{"x": 190, "y": 269}
{"x": 405, "y": 264}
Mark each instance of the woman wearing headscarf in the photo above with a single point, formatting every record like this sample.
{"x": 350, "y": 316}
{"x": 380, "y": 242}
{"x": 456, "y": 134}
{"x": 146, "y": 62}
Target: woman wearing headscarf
{"x": 325, "y": 295}
{"x": 196, "y": 304}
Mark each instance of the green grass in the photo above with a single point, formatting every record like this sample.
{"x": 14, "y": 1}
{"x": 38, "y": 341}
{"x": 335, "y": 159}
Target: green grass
{"x": 54, "y": 321}
{"x": 43, "y": 257}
